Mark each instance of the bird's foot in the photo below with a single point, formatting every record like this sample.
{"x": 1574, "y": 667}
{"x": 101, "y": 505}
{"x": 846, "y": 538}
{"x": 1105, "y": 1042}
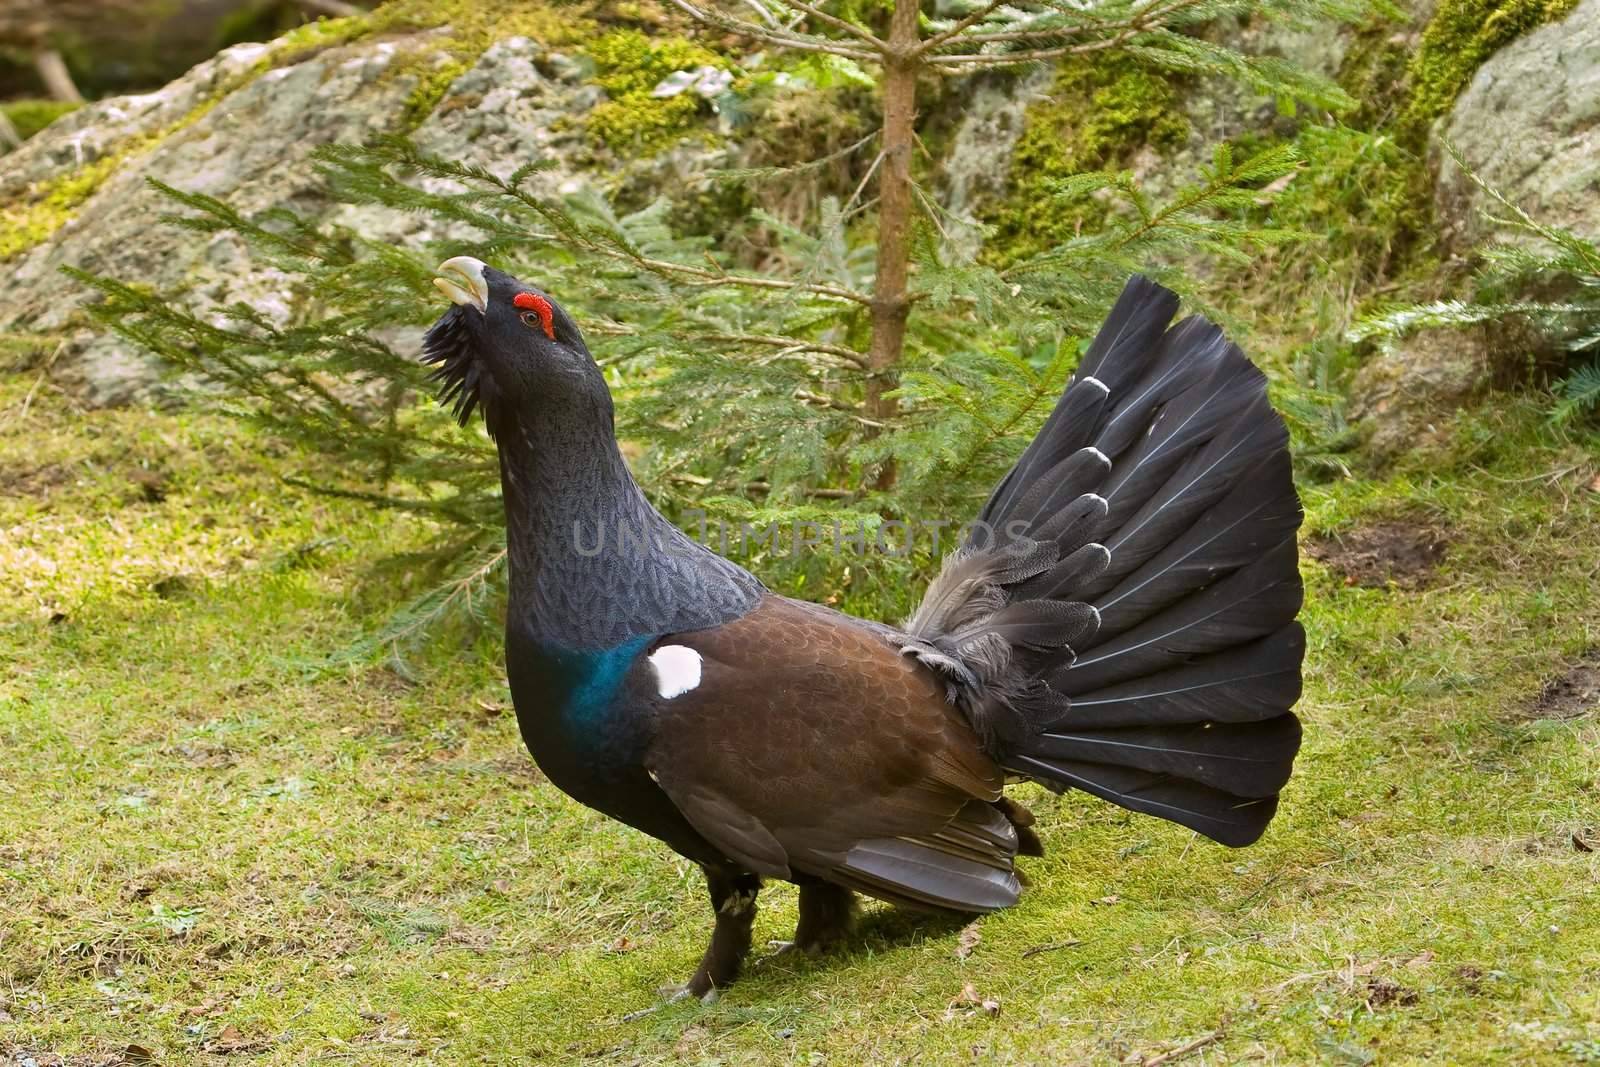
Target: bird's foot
{"x": 795, "y": 948}
{"x": 673, "y": 994}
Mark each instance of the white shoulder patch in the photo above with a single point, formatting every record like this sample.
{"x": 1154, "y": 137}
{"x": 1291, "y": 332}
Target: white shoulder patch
{"x": 677, "y": 670}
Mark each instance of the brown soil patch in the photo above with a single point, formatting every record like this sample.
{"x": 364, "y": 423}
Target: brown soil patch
{"x": 1575, "y": 692}
{"x": 36, "y": 481}
{"x": 1386, "y": 992}
{"x": 1399, "y": 552}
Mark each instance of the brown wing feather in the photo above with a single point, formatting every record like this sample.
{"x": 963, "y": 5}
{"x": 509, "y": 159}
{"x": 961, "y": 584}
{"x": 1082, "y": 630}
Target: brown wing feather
{"x": 810, "y": 744}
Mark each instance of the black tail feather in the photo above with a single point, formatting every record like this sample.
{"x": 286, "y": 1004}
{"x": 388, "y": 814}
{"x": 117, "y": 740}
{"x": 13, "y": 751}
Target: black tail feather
{"x": 1249, "y": 759}
{"x": 1125, "y": 345}
{"x": 1252, "y": 601}
{"x": 1246, "y": 683}
{"x": 1137, "y": 639}
{"x": 1189, "y": 536}
{"x": 1221, "y": 816}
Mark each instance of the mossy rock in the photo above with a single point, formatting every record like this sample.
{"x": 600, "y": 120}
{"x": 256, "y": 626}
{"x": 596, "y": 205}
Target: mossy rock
{"x": 1461, "y": 35}
{"x": 1098, "y": 115}
{"x": 628, "y": 66}
{"x": 28, "y": 117}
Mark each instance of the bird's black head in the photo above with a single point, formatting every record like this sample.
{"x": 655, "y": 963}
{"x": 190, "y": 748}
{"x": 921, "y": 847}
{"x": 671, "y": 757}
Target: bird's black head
{"x": 508, "y": 347}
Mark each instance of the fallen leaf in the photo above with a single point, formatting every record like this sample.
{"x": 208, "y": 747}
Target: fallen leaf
{"x": 969, "y": 999}
{"x": 1107, "y": 901}
{"x": 1579, "y": 843}
{"x": 1420, "y": 961}
{"x": 138, "y": 1054}
{"x": 205, "y": 1007}
{"x": 622, "y": 944}
{"x": 968, "y": 940}
{"x": 229, "y": 1040}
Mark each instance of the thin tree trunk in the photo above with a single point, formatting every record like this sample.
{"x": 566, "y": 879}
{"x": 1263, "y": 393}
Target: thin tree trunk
{"x": 57, "y": 79}
{"x": 890, "y": 302}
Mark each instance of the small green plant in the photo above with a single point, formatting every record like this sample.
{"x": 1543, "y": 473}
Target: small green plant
{"x": 1550, "y": 280}
{"x": 867, "y": 363}
{"x": 746, "y": 390}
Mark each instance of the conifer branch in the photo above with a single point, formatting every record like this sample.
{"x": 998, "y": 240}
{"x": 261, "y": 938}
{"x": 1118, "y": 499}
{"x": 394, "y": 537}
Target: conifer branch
{"x": 781, "y": 38}
{"x": 414, "y": 505}
{"x": 966, "y": 61}
{"x": 465, "y": 593}
{"x": 809, "y": 167}
{"x": 843, "y": 25}
{"x": 700, "y": 278}
{"x": 833, "y": 403}
{"x": 940, "y": 39}
{"x": 790, "y": 344}
{"x": 610, "y": 246}
{"x": 819, "y": 493}
{"x": 1125, "y": 30}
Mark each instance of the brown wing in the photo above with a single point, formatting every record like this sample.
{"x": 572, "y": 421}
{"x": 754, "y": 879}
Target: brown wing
{"x": 809, "y": 744}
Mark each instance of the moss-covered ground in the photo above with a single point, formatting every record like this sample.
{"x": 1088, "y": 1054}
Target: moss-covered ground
{"x": 208, "y": 849}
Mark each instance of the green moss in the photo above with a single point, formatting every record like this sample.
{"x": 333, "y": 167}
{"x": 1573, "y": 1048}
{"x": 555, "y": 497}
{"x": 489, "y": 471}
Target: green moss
{"x": 1098, "y": 114}
{"x": 628, "y": 66}
{"x": 1373, "y": 72}
{"x": 303, "y": 42}
{"x": 28, "y": 224}
{"x": 31, "y": 116}
{"x": 431, "y": 88}
{"x": 1461, "y": 35}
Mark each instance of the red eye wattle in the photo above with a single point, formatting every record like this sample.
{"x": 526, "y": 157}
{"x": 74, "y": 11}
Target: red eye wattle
{"x": 540, "y": 307}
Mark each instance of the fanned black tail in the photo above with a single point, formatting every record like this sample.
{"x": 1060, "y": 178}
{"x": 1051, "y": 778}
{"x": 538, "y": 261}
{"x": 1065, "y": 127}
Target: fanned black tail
{"x": 1122, "y": 620}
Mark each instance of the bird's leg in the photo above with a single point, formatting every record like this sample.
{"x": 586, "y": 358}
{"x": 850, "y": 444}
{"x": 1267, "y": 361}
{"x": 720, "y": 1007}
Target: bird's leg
{"x": 733, "y": 897}
{"x": 827, "y": 912}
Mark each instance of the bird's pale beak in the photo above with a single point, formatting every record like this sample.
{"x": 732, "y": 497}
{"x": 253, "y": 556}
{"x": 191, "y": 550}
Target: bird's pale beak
{"x": 463, "y": 282}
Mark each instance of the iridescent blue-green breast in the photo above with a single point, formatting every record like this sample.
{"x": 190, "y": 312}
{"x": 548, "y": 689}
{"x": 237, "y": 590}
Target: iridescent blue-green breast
{"x": 586, "y": 718}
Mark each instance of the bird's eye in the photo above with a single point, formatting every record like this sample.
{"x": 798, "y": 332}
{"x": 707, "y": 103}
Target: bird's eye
{"x": 537, "y": 312}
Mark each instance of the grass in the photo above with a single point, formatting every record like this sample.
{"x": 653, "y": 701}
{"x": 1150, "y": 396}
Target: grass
{"x": 210, "y": 850}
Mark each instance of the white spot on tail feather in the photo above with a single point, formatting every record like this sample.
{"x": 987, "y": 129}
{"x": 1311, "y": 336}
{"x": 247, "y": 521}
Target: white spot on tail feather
{"x": 677, "y": 670}
{"x": 1103, "y": 387}
{"x": 1105, "y": 458}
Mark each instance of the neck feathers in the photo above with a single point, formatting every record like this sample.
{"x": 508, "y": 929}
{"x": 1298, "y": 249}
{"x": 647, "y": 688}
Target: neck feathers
{"x": 592, "y": 563}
